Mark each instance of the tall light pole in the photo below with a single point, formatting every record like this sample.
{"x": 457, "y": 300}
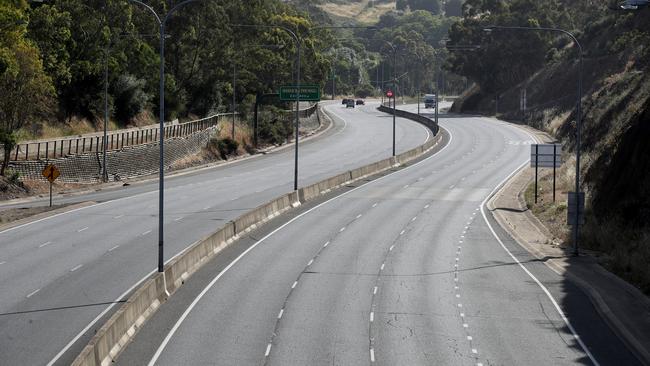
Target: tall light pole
{"x": 578, "y": 116}
{"x": 394, "y": 50}
{"x": 161, "y": 180}
{"x": 297, "y": 122}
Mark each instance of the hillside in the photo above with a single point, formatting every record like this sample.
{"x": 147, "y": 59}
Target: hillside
{"x": 363, "y": 11}
{"x": 616, "y": 127}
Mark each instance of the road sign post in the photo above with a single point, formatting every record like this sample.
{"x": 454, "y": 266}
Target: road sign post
{"x": 51, "y": 172}
{"x": 545, "y": 156}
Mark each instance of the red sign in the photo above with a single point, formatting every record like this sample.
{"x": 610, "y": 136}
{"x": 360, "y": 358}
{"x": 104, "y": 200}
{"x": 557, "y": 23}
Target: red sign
{"x": 389, "y": 93}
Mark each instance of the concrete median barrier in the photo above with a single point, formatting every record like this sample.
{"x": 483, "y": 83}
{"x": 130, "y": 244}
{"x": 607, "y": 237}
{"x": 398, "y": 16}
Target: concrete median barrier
{"x": 115, "y": 334}
{"x": 184, "y": 265}
{"x": 121, "y": 326}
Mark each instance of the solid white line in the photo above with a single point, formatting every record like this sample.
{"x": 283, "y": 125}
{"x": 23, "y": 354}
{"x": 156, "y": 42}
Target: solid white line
{"x": 209, "y": 286}
{"x": 281, "y": 312}
{"x": 268, "y": 350}
{"x": 372, "y": 355}
{"x": 544, "y": 289}
{"x": 84, "y": 229}
{"x": 45, "y": 244}
{"x": 294, "y": 284}
{"x": 76, "y": 268}
{"x": 113, "y": 248}
{"x": 32, "y": 293}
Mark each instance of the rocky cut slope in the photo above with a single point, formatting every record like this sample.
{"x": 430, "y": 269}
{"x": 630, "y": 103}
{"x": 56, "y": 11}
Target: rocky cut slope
{"x": 615, "y": 132}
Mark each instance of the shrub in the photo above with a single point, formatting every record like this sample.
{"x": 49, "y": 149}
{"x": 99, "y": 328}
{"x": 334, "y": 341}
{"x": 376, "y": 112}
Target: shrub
{"x": 227, "y": 147}
{"x": 130, "y": 97}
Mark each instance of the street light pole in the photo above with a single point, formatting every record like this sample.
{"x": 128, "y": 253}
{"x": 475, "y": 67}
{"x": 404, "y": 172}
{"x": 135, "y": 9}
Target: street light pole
{"x": 234, "y": 91}
{"x": 161, "y": 180}
{"x": 578, "y": 117}
{"x": 297, "y": 122}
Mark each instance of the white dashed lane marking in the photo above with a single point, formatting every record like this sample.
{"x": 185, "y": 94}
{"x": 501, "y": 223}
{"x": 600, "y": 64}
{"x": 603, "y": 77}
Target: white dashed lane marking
{"x": 32, "y": 293}
{"x": 45, "y": 244}
{"x": 280, "y": 314}
{"x": 146, "y": 232}
{"x": 76, "y": 268}
{"x": 118, "y": 216}
{"x": 82, "y": 229}
{"x": 113, "y": 248}
{"x": 268, "y": 350}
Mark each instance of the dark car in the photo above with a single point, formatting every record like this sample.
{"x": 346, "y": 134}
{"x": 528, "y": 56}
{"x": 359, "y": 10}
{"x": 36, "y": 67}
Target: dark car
{"x": 349, "y": 103}
{"x": 344, "y": 101}
{"x": 360, "y": 102}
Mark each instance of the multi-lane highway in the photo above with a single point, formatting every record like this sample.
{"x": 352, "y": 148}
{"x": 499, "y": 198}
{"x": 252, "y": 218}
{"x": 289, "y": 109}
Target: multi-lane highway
{"x": 61, "y": 276}
{"x": 409, "y": 269}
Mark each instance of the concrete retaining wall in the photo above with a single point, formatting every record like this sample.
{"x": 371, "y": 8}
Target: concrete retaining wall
{"x": 106, "y": 345}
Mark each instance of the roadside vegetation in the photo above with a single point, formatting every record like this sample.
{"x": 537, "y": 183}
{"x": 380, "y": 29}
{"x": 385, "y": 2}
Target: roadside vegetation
{"x": 616, "y": 106}
{"x": 53, "y": 55}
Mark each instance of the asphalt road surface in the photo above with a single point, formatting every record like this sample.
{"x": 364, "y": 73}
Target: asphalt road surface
{"x": 62, "y": 276}
{"x": 408, "y": 269}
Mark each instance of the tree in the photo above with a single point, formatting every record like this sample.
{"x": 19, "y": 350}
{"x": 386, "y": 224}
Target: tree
{"x": 25, "y": 89}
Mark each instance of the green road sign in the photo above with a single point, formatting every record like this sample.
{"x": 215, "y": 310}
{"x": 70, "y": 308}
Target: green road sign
{"x": 308, "y": 93}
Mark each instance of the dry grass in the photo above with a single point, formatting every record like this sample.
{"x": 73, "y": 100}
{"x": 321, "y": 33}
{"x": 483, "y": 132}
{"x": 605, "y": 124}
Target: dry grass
{"x": 359, "y": 11}
{"x": 243, "y": 133}
{"x": 622, "y": 251}
{"x": 551, "y": 214}
{"x": 52, "y": 130}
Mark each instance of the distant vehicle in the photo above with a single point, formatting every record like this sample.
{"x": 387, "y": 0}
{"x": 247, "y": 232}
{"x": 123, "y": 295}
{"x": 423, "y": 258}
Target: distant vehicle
{"x": 360, "y": 102}
{"x": 344, "y": 101}
{"x": 349, "y": 103}
{"x": 429, "y": 101}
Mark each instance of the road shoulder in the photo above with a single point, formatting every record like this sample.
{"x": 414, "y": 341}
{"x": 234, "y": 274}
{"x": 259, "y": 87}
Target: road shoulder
{"x": 625, "y": 309}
